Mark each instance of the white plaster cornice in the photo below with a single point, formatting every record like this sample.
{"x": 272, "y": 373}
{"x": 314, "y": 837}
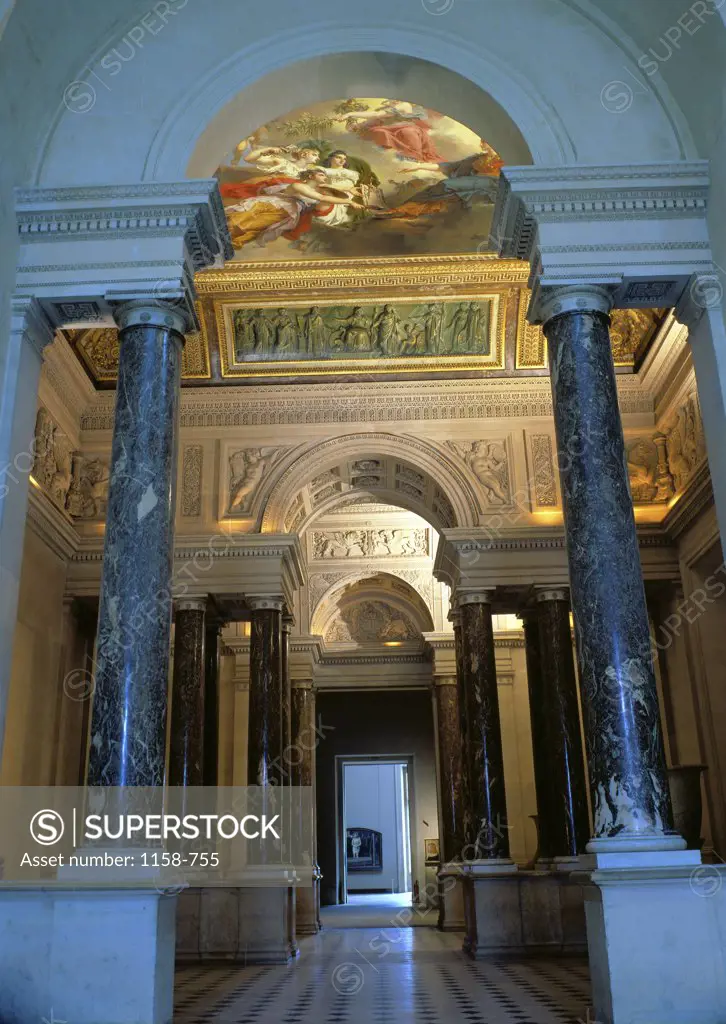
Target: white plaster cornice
{"x": 640, "y": 229}
{"x": 84, "y": 248}
{"x": 402, "y": 402}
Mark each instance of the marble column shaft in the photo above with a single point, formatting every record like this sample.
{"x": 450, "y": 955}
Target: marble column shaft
{"x": 128, "y": 722}
{"x": 286, "y": 701}
{"x": 626, "y": 759}
{"x": 451, "y": 769}
{"x": 186, "y": 741}
{"x": 467, "y": 835}
{"x": 211, "y": 702}
{"x": 559, "y": 766}
{"x": 487, "y": 799}
{"x": 264, "y": 758}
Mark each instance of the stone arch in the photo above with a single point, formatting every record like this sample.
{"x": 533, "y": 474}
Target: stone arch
{"x": 446, "y": 487}
{"x": 358, "y": 588}
{"x": 518, "y": 96}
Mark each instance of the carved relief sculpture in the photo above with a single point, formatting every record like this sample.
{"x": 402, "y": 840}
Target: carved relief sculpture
{"x": 685, "y": 443}
{"x": 370, "y": 543}
{"x": 371, "y": 331}
{"x": 88, "y": 493}
{"x": 488, "y": 462}
{"x": 247, "y": 468}
{"x": 52, "y": 461}
{"x": 370, "y": 622}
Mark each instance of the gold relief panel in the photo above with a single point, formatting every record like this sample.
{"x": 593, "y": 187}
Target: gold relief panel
{"x": 401, "y": 335}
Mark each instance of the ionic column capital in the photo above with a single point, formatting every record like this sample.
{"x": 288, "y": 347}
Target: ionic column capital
{"x": 475, "y": 597}
{"x": 191, "y": 604}
{"x": 275, "y": 604}
{"x": 551, "y": 594}
{"x": 168, "y": 315}
{"x": 577, "y": 298}
{"x": 304, "y": 684}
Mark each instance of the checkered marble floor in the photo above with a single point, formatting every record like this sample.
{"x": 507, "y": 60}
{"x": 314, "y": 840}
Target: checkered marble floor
{"x": 390, "y": 976}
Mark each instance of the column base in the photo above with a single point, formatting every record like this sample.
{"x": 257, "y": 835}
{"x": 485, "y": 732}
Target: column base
{"x": 655, "y": 935}
{"x": 69, "y": 955}
{"x": 249, "y": 925}
{"x": 451, "y": 899}
{"x": 523, "y": 913}
{"x": 637, "y": 843}
{"x": 306, "y": 911}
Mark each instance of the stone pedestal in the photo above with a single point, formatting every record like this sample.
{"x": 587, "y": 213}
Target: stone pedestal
{"x": 452, "y": 917}
{"x": 523, "y": 913}
{"x": 250, "y": 925}
{"x": 655, "y": 929}
{"x": 90, "y": 957}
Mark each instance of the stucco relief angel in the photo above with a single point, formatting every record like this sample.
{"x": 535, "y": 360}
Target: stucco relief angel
{"x": 488, "y": 462}
{"x": 246, "y": 470}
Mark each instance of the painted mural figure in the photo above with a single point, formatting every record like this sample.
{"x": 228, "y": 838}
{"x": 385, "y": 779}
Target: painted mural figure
{"x": 345, "y": 180}
{"x": 402, "y": 127}
{"x": 380, "y": 176}
{"x": 271, "y": 208}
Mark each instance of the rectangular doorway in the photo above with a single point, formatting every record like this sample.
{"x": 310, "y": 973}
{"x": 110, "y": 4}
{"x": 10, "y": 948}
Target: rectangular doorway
{"x": 375, "y": 832}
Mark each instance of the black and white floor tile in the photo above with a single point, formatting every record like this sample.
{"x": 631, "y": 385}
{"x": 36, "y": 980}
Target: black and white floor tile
{"x": 391, "y": 976}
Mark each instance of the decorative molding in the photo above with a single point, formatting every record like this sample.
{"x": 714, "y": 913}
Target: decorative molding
{"x": 381, "y": 402}
{"x": 191, "y": 489}
{"x": 561, "y": 219}
{"x": 543, "y": 470}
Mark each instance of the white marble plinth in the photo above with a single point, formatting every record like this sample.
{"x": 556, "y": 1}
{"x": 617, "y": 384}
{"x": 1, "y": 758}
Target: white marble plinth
{"x": 89, "y": 956}
{"x": 253, "y": 925}
{"x": 523, "y": 912}
{"x": 657, "y": 938}
{"x": 452, "y": 917}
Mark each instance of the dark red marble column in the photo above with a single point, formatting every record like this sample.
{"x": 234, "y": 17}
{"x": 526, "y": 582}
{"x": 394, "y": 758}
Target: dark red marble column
{"x": 559, "y": 765}
{"x": 487, "y": 798}
{"x": 264, "y": 756}
{"x": 186, "y": 740}
{"x": 448, "y": 725}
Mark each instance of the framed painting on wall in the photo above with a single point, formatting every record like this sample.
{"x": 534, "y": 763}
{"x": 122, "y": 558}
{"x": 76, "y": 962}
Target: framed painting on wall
{"x": 364, "y": 849}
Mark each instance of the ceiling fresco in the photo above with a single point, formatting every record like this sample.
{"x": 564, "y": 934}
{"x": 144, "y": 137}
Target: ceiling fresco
{"x": 359, "y": 177}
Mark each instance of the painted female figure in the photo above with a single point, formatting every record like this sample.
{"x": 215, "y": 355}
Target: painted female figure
{"x": 402, "y": 127}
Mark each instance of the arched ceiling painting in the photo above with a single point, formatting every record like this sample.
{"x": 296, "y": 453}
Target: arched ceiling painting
{"x": 359, "y": 177}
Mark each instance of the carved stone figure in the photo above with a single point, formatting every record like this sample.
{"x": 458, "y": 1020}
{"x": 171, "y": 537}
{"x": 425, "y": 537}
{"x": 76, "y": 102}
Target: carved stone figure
{"x": 488, "y": 462}
{"x": 642, "y": 458}
{"x": 370, "y": 622}
{"x": 247, "y": 468}
{"x": 370, "y": 543}
{"x": 52, "y": 458}
{"x": 685, "y": 443}
{"x": 88, "y": 493}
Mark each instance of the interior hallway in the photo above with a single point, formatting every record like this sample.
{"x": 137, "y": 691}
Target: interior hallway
{"x": 390, "y": 975}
